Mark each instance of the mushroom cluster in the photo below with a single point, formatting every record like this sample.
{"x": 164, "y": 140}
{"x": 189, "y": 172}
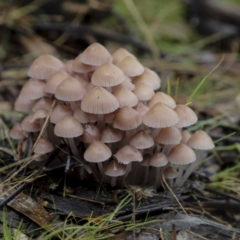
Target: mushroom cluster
{"x": 110, "y": 113}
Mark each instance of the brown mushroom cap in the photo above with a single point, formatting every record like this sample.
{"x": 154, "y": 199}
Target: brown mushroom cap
{"x": 141, "y": 108}
{"x": 142, "y": 140}
{"x": 187, "y": 116}
{"x": 45, "y": 103}
{"x": 43, "y": 146}
{"x": 163, "y": 98}
{"x": 115, "y": 169}
{"x": 79, "y": 67}
{"x": 200, "y": 140}
{"x": 55, "y": 80}
{"x": 16, "y": 132}
{"x": 97, "y": 152}
{"x": 33, "y": 89}
{"x": 84, "y": 117}
{"x": 29, "y": 126}
{"x": 44, "y": 67}
{"x": 170, "y": 135}
{"x": 68, "y": 127}
{"x": 126, "y": 119}
{"x": 148, "y": 77}
{"x": 40, "y": 113}
{"x": 181, "y": 154}
{"x": 99, "y": 101}
{"x": 111, "y": 135}
{"x": 143, "y": 92}
{"x": 59, "y": 112}
{"x": 128, "y": 154}
{"x": 160, "y": 116}
{"x": 96, "y": 55}
{"x": 127, "y": 83}
{"x": 24, "y": 105}
{"x": 120, "y": 54}
{"x": 158, "y": 159}
{"x": 185, "y": 136}
{"x": 170, "y": 173}
{"x": 91, "y": 133}
{"x": 131, "y": 66}
{"x": 70, "y": 90}
{"x": 107, "y": 75}
{"x": 125, "y": 97}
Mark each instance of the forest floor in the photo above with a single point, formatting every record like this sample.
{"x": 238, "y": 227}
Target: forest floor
{"x": 197, "y": 69}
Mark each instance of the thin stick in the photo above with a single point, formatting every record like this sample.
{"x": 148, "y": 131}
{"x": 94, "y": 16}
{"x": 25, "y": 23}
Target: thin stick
{"x": 164, "y": 180}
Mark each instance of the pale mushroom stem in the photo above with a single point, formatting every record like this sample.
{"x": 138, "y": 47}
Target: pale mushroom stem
{"x": 113, "y": 181}
{"x": 76, "y": 154}
{"x": 100, "y": 122}
{"x": 190, "y": 169}
{"x": 73, "y": 106}
{"x": 100, "y": 166}
{"x": 73, "y": 147}
{"x": 128, "y": 170}
{"x": 179, "y": 177}
{"x": 146, "y": 176}
{"x": 158, "y": 183}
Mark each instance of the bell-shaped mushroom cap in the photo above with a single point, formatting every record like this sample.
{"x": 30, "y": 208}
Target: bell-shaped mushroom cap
{"x": 70, "y": 90}
{"x": 125, "y": 97}
{"x": 131, "y": 66}
{"x": 24, "y": 105}
{"x": 91, "y": 133}
{"x": 97, "y": 152}
{"x": 107, "y": 75}
{"x": 158, "y": 159}
{"x": 170, "y": 173}
{"x": 43, "y": 146}
{"x": 16, "y": 132}
{"x": 68, "y": 127}
{"x": 169, "y": 135}
{"x": 141, "y": 108}
{"x": 200, "y": 140}
{"x": 99, "y": 101}
{"x": 126, "y": 119}
{"x": 33, "y": 89}
{"x": 127, "y": 83}
{"x": 185, "y": 136}
{"x": 187, "y": 116}
{"x": 128, "y": 154}
{"x": 142, "y": 140}
{"x": 84, "y": 117}
{"x": 148, "y": 77}
{"x": 40, "y": 113}
{"x": 79, "y": 67}
{"x": 55, "y": 80}
{"x": 68, "y": 67}
{"x": 115, "y": 169}
{"x": 59, "y": 112}
{"x": 143, "y": 92}
{"x": 96, "y": 55}
{"x": 181, "y": 154}
{"x": 160, "y": 116}
{"x": 111, "y": 135}
{"x": 45, "y": 103}
{"x": 29, "y": 126}
{"x": 44, "y": 67}
{"x": 108, "y": 118}
{"x": 120, "y": 54}
{"x": 163, "y": 98}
